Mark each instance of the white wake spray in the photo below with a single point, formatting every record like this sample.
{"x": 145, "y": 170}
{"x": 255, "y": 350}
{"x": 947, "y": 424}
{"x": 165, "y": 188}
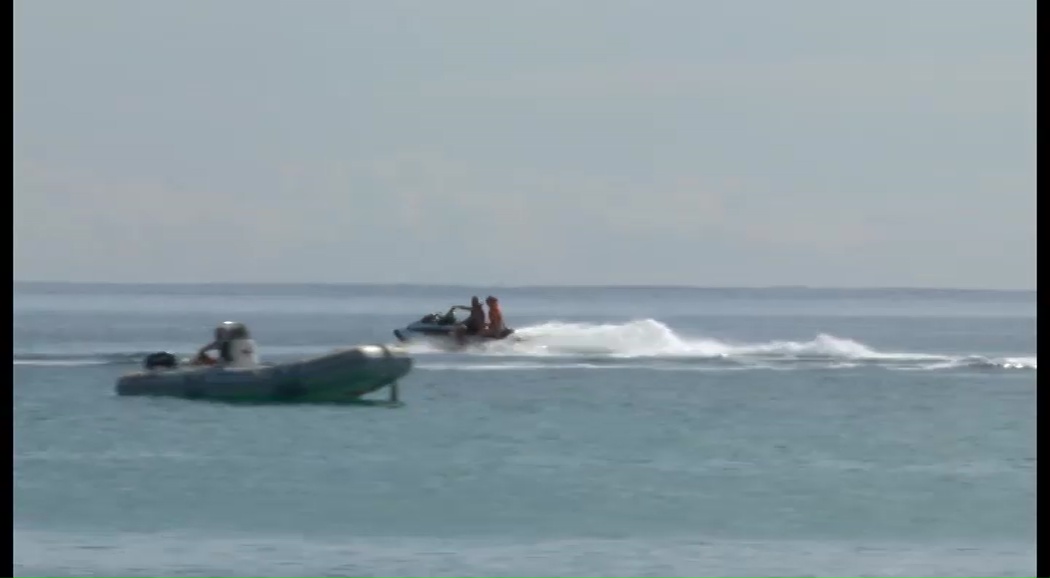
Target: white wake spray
{"x": 645, "y": 343}
{"x": 649, "y": 338}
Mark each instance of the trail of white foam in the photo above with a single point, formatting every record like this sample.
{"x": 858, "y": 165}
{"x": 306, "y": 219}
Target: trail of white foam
{"x": 510, "y": 366}
{"x": 980, "y": 362}
{"x": 651, "y": 339}
{"x": 641, "y": 344}
{"x": 58, "y": 362}
{"x": 581, "y": 366}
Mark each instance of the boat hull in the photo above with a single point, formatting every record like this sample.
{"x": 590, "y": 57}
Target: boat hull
{"x": 444, "y": 336}
{"x": 343, "y": 375}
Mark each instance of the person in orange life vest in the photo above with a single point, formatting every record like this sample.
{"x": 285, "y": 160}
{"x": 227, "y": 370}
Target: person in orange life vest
{"x": 495, "y": 326}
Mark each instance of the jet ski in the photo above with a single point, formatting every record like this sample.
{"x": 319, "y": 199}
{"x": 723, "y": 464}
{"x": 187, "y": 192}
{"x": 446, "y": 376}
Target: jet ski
{"x": 442, "y": 327}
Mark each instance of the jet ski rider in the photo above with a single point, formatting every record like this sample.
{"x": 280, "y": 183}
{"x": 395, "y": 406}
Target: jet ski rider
{"x": 473, "y": 324}
{"x": 495, "y": 325}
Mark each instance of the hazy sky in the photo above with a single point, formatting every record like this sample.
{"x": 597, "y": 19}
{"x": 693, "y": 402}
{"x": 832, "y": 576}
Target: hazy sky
{"x": 701, "y": 142}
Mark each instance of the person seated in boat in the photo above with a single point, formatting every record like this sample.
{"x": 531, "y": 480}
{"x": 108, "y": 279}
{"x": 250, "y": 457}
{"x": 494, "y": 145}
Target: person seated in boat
{"x": 233, "y": 344}
{"x": 474, "y": 323}
{"x": 216, "y": 345}
{"x": 495, "y": 326}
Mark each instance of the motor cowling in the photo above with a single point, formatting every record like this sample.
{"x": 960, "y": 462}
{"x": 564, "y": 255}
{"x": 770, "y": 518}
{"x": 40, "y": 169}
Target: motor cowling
{"x": 160, "y": 360}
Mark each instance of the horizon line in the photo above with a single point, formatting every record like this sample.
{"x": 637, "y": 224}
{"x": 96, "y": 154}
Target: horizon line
{"x": 516, "y": 286}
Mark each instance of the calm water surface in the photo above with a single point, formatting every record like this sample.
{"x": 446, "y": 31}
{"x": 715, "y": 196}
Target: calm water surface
{"x": 634, "y": 432}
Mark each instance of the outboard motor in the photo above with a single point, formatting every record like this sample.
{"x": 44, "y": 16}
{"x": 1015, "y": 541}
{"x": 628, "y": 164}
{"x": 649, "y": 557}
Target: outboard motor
{"x": 238, "y": 349}
{"x": 160, "y": 359}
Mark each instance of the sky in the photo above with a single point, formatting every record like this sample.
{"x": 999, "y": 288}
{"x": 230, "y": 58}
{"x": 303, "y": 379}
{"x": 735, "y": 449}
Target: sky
{"x": 869, "y": 143}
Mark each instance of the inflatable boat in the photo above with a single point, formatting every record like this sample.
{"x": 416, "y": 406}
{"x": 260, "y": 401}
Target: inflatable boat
{"x": 338, "y": 376}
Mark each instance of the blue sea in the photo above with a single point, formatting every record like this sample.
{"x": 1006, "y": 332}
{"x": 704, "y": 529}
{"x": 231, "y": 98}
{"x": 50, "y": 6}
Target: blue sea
{"x": 631, "y": 432}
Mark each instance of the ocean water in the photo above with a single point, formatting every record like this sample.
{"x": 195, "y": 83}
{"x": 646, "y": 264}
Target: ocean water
{"x": 634, "y": 432}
